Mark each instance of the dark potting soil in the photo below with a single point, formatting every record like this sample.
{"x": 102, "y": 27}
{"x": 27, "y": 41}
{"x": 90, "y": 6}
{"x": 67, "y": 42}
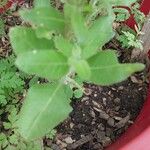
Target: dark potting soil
{"x": 101, "y": 116}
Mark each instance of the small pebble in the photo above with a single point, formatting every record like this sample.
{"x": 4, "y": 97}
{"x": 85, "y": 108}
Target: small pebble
{"x": 95, "y": 95}
{"x": 120, "y": 88}
{"x": 88, "y": 91}
{"x": 134, "y": 79}
{"x": 117, "y": 108}
{"x": 106, "y": 142}
{"x": 98, "y": 146}
{"x": 103, "y": 115}
{"x": 101, "y": 127}
{"x": 111, "y": 122}
{"x": 68, "y": 140}
{"x": 101, "y": 135}
{"x": 85, "y": 99}
{"x": 109, "y": 132}
{"x": 71, "y": 125}
{"x": 117, "y": 100}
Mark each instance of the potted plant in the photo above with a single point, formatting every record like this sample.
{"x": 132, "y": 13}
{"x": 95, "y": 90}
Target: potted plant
{"x": 44, "y": 50}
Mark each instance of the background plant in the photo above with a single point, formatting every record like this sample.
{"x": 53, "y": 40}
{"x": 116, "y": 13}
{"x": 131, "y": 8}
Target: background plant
{"x": 11, "y": 92}
{"x": 129, "y": 37}
{"x": 57, "y": 47}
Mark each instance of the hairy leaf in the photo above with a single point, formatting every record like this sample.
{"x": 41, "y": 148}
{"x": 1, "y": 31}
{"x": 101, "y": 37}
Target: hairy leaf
{"x": 78, "y": 26}
{"x": 51, "y": 106}
{"x": 64, "y": 46}
{"x": 106, "y": 70}
{"x": 41, "y": 3}
{"x": 24, "y": 39}
{"x": 99, "y": 34}
{"x": 45, "y": 63}
{"x": 46, "y": 17}
{"x": 82, "y": 68}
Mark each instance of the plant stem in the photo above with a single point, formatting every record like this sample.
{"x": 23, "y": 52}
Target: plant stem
{"x": 70, "y": 80}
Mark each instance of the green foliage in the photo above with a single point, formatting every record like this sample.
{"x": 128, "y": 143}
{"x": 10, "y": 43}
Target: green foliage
{"x": 122, "y": 3}
{"x": 15, "y": 142}
{"x": 3, "y": 3}
{"x": 105, "y": 64}
{"x": 2, "y": 31}
{"x": 11, "y": 91}
{"x": 10, "y": 82}
{"x": 51, "y": 134}
{"x": 128, "y": 40}
{"x": 49, "y": 19}
{"x": 74, "y": 48}
{"x": 121, "y": 14}
{"x": 78, "y": 93}
{"x": 53, "y": 99}
{"x": 138, "y": 15}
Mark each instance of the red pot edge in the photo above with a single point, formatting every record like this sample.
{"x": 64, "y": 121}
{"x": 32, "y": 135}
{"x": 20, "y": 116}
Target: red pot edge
{"x": 137, "y": 137}
{"x": 145, "y": 8}
{"x": 9, "y": 4}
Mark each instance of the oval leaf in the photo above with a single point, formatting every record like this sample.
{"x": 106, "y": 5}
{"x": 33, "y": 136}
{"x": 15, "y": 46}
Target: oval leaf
{"x": 44, "y": 108}
{"x": 83, "y": 70}
{"x": 46, "y": 63}
{"x": 106, "y": 70}
{"x": 99, "y": 34}
{"x": 64, "y": 46}
{"x": 24, "y": 39}
{"x": 46, "y": 17}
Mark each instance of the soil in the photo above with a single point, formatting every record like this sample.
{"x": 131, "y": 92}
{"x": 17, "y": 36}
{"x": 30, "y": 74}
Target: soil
{"x": 100, "y": 116}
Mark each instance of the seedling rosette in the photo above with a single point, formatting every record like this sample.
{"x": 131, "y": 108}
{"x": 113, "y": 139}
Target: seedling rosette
{"x": 58, "y": 46}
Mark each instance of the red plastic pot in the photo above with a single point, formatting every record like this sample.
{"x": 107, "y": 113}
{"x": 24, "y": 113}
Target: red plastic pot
{"x": 137, "y": 137}
{"x": 145, "y": 8}
{"x": 9, "y": 4}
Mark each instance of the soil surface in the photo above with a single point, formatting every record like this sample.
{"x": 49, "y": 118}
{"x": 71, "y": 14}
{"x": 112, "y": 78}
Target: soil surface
{"x": 101, "y": 116}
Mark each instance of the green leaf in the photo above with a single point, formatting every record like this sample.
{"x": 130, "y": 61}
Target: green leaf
{"x": 83, "y": 70}
{"x": 122, "y": 2}
{"x": 121, "y": 14}
{"x": 46, "y": 17}
{"x": 67, "y": 10}
{"x": 7, "y": 125}
{"x": 11, "y": 147}
{"x": 68, "y": 91}
{"x": 64, "y": 46}
{"x": 28, "y": 40}
{"x": 78, "y": 93}
{"x": 33, "y": 81}
{"x": 78, "y": 26}
{"x": 13, "y": 139}
{"x": 11, "y": 80}
{"x": 43, "y": 33}
{"x": 2, "y": 136}
{"x": 51, "y": 106}
{"x": 41, "y": 3}
{"x": 106, "y": 70}
{"x": 48, "y": 64}
{"x": 2, "y": 28}
{"x": 100, "y": 33}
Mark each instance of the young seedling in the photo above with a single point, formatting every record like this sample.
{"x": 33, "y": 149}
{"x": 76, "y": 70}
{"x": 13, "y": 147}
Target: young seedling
{"x": 57, "y": 46}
